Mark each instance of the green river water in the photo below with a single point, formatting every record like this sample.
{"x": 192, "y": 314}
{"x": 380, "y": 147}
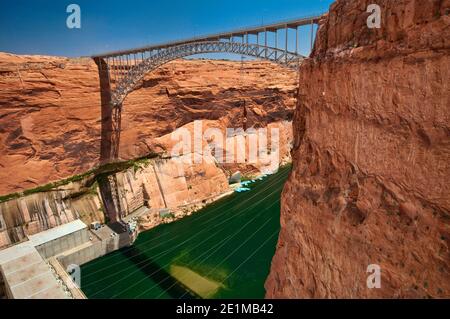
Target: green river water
{"x": 223, "y": 251}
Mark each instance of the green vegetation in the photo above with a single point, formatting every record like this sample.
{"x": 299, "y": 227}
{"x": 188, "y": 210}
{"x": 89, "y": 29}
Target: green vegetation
{"x": 97, "y": 173}
{"x": 167, "y": 216}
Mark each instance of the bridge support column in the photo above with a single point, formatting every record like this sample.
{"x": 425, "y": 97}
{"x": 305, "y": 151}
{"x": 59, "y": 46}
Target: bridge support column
{"x": 276, "y": 44}
{"x": 286, "y": 44}
{"x": 110, "y": 196}
{"x": 110, "y": 117}
{"x": 109, "y": 144}
{"x": 265, "y": 42}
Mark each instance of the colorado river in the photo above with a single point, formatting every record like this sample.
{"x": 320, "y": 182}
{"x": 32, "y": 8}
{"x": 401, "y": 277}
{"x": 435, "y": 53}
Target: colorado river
{"x": 222, "y": 251}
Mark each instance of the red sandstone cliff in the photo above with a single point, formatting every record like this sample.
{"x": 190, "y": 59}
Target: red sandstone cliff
{"x": 50, "y": 123}
{"x": 371, "y": 158}
{"x": 50, "y": 110}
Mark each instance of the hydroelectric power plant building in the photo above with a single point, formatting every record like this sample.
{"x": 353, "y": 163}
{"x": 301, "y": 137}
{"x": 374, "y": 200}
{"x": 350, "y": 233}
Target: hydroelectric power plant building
{"x": 36, "y": 268}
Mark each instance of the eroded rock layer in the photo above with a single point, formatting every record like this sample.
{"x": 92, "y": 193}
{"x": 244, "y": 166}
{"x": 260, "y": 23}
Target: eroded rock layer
{"x": 371, "y": 158}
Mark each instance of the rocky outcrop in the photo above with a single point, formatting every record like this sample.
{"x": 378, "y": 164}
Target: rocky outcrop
{"x": 371, "y": 154}
{"x": 50, "y": 110}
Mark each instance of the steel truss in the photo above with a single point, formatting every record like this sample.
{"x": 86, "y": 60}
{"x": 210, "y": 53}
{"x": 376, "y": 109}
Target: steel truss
{"x": 125, "y": 78}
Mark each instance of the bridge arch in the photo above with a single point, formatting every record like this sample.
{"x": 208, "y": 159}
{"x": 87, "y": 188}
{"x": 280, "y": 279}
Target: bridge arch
{"x": 124, "y": 77}
{"x": 121, "y": 71}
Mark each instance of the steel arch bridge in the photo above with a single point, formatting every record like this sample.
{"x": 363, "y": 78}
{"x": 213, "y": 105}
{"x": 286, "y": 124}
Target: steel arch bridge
{"x": 121, "y": 71}
{"x": 126, "y": 78}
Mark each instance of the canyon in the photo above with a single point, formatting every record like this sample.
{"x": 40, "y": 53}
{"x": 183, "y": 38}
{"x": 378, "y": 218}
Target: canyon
{"x": 50, "y": 136}
{"x": 371, "y": 153}
{"x": 365, "y": 122}
{"x": 50, "y": 110}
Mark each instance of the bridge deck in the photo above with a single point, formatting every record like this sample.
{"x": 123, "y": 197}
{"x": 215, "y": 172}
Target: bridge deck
{"x": 121, "y": 71}
{"x": 289, "y": 24}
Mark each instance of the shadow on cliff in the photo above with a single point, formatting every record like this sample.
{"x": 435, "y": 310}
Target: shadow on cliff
{"x": 111, "y": 117}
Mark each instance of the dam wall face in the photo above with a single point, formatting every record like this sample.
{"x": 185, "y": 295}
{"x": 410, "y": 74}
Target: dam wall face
{"x": 94, "y": 250}
{"x": 65, "y": 243}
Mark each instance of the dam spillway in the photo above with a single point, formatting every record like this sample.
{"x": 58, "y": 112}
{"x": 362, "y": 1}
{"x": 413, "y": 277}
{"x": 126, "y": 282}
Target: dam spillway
{"x": 223, "y": 251}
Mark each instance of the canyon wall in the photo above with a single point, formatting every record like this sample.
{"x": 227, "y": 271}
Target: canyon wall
{"x": 50, "y": 138}
{"x": 371, "y": 158}
{"x": 178, "y": 185}
{"x": 50, "y": 110}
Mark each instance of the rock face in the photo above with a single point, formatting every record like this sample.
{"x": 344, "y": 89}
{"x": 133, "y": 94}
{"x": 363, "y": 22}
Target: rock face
{"x": 50, "y": 130}
{"x": 156, "y": 184}
{"x": 34, "y": 213}
{"x": 176, "y": 184}
{"x": 50, "y": 110}
{"x": 371, "y": 158}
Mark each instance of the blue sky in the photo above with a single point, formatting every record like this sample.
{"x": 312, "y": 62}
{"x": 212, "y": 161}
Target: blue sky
{"x": 39, "y": 26}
